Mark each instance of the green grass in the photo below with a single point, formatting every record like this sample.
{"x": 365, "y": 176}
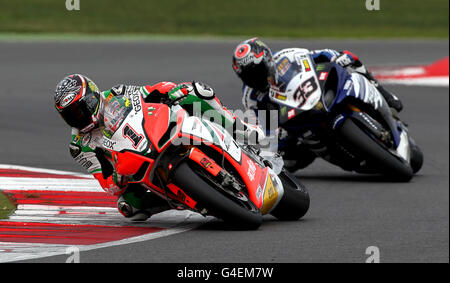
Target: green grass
{"x": 281, "y": 18}
{"x": 6, "y": 207}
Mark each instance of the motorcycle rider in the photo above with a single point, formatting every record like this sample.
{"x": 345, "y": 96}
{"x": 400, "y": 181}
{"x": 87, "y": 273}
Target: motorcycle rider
{"x": 256, "y": 66}
{"x": 93, "y": 114}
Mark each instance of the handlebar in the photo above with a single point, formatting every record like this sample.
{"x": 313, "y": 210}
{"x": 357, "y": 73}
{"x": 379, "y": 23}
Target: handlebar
{"x": 176, "y": 100}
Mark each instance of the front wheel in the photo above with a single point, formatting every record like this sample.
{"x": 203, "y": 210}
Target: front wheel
{"x": 416, "y": 156}
{"x": 295, "y": 201}
{"x": 375, "y": 154}
{"x": 234, "y": 212}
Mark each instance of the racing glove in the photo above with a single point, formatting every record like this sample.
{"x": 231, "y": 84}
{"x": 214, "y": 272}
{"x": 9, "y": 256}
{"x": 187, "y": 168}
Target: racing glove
{"x": 198, "y": 89}
{"x": 247, "y": 133}
{"x": 114, "y": 185}
{"x": 344, "y": 60}
{"x": 157, "y": 93}
{"x": 199, "y": 99}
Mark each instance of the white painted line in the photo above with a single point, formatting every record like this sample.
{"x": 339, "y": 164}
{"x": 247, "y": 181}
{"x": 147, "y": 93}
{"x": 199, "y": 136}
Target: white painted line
{"x": 50, "y": 184}
{"x": 42, "y": 170}
{"x": 65, "y": 218}
{"x": 10, "y": 252}
{"x": 64, "y": 212}
{"x": 431, "y": 81}
{"x": 405, "y": 71}
{"x": 66, "y": 208}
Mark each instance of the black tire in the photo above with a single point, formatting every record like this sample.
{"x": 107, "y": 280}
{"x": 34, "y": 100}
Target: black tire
{"x": 376, "y": 155}
{"x": 416, "y": 157}
{"x": 295, "y": 201}
{"x": 217, "y": 204}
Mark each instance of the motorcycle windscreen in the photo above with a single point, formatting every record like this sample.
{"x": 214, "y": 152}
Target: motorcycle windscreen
{"x": 298, "y": 88}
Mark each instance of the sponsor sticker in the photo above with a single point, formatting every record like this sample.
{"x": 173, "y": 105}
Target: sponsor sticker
{"x": 280, "y": 96}
{"x": 129, "y": 133}
{"x": 76, "y": 138}
{"x": 67, "y": 99}
{"x": 251, "y": 170}
{"x": 259, "y": 193}
{"x": 306, "y": 64}
{"x": 320, "y": 67}
{"x": 283, "y": 67}
{"x": 291, "y": 113}
{"x": 93, "y": 86}
{"x": 277, "y": 95}
{"x": 323, "y": 76}
{"x": 205, "y": 162}
{"x": 136, "y": 99}
{"x": 108, "y": 143}
{"x": 270, "y": 195}
{"x": 86, "y": 139}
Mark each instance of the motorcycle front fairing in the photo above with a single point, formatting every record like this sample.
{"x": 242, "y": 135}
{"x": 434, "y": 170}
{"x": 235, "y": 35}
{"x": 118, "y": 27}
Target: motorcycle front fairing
{"x": 298, "y": 93}
{"x": 150, "y": 136}
{"x": 297, "y": 88}
{"x": 136, "y": 133}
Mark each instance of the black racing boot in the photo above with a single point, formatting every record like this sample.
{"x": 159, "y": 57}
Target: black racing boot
{"x": 138, "y": 204}
{"x": 392, "y": 100}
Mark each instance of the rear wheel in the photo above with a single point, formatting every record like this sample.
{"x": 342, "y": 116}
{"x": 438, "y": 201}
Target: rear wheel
{"x": 237, "y": 213}
{"x": 295, "y": 201}
{"x": 376, "y": 155}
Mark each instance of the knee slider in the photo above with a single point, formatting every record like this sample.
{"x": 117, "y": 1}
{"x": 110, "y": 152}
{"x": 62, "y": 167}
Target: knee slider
{"x": 203, "y": 91}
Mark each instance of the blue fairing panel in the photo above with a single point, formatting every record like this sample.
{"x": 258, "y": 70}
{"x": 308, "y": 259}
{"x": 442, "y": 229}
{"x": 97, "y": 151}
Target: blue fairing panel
{"x": 344, "y": 87}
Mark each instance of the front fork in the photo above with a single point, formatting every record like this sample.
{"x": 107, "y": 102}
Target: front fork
{"x": 209, "y": 165}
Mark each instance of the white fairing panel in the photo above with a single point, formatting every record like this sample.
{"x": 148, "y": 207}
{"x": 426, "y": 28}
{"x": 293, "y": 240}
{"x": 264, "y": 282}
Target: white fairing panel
{"x": 366, "y": 91}
{"x": 213, "y": 133}
{"x": 303, "y": 90}
{"x": 403, "y": 148}
{"x": 194, "y": 126}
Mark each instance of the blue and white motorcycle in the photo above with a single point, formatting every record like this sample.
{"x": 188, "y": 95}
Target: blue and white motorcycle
{"x": 342, "y": 118}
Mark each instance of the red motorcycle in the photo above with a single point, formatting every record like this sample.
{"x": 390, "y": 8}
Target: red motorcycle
{"x": 196, "y": 164}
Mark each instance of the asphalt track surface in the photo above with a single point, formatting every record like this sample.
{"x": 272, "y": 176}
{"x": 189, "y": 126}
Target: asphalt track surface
{"x": 408, "y": 222}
